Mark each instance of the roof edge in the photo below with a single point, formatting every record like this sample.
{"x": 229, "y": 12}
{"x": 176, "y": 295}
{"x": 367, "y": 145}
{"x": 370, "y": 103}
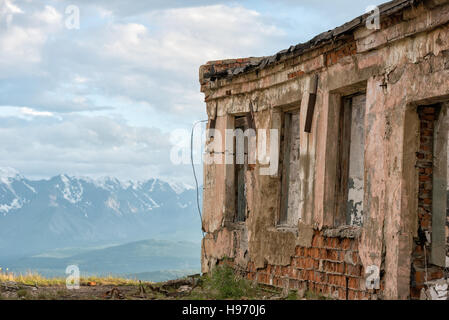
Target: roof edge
{"x": 220, "y": 69}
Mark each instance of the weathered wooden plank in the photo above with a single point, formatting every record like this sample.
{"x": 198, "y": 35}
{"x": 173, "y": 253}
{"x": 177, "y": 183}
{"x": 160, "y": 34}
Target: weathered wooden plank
{"x": 343, "y": 162}
{"x": 285, "y": 169}
{"x": 311, "y": 103}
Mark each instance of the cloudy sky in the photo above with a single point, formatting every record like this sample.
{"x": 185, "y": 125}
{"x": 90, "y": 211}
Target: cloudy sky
{"x": 103, "y": 99}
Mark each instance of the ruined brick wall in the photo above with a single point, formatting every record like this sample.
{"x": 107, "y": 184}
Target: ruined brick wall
{"x": 330, "y": 268}
{"x": 422, "y": 270}
{"x": 400, "y": 66}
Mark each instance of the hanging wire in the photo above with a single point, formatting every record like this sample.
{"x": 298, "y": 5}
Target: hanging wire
{"x": 196, "y": 181}
{"x": 194, "y": 171}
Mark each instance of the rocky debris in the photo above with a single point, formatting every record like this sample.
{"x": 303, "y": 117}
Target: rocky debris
{"x": 176, "y": 288}
{"x": 350, "y": 232}
{"x": 114, "y": 294}
{"x": 176, "y": 284}
{"x": 142, "y": 291}
{"x": 184, "y": 289}
{"x": 437, "y": 290}
{"x": 9, "y": 286}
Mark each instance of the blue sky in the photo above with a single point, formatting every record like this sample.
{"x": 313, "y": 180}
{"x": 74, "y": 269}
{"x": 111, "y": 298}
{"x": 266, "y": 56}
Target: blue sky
{"x": 102, "y": 100}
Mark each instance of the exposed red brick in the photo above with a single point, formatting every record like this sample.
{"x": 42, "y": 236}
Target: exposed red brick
{"x": 352, "y": 295}
{"x": 437, "y": 274}
{"x": 354, "y": 283}
{"x": 353, "y": 270}
{"x": 334, "y": 255}
{"x": 316, "y": 264}
{"x": 285, "y": 271}
{"x": 300, "y": 263}
{"x": 295, "y": 74}
{"x": 278, "y": 271}
{"x": 345, "y": 244}
{"x": 301, "y": 275}
{"x": 336, "y": 55}
{"x": 318, "y": 241}
{"x": 310, "y": 275}
{"x": 315, "y": 253}
{"x": 309, "y": 263}
{"x": 277, "y": 281}
{"x": 293, "y": 284}
{"x": 293, "y": 272}
{"x": 355, "y": 257}
{"x": 427, "y": 116}
{"x": 337, "y": 280}
{"x": 341, "y": 293}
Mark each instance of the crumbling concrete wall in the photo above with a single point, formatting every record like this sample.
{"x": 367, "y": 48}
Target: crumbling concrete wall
{"x": 403, "y": 65}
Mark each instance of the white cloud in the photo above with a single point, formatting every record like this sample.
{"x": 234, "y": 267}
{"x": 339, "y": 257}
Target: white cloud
{"x": 80, "y": 79}
{"x": 30, "y": 112}
{"x": 20, "y": 45}
{"x": 155, "y": 58}
{"x": 90, "y": 101}
{"x": 80, "y": 145}
{"x": 49, "y": 15}
{"x": 8, "y": 10}
{"x": 145, "y": 68}
{"x": 22, "y": 40}
{"x": 125, "y": 9}
{"x": 178, "y": 39}
{"x": 24, "y": 113}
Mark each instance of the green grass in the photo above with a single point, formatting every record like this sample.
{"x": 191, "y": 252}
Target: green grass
{"x": 292, "y": 295}
{"x": 23, "y": 294}
{"x": 309, "y": 295}
{"x": 223, "y": 283}
{"x": 31, "y": 279}
{"x": 34, "y": 279}
{"x": 44, "y": 296}
{"x": 110, "y": 280}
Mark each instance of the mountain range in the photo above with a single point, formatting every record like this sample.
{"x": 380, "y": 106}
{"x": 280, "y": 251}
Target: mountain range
{"x": 66, "y": 211}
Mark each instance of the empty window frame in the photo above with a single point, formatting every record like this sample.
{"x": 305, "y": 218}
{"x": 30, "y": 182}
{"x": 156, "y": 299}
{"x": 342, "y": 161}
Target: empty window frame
{"x": 350, "y": 161}
{"x": 290, "y": 161}
{"x": 433, "y": 164}
{"x": 241, "y": 126}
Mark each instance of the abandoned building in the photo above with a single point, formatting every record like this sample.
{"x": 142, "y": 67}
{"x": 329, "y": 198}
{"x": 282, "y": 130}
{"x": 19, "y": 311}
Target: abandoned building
{"x": 357, "y": 207}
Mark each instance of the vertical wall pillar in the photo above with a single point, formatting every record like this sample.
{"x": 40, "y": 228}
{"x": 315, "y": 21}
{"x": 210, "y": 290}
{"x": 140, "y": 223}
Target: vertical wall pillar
{"x": 439, "y": 192}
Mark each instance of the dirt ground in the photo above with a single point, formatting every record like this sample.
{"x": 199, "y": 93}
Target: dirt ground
{"x": 189, "y": 288}
{"x": 94, "y": 291}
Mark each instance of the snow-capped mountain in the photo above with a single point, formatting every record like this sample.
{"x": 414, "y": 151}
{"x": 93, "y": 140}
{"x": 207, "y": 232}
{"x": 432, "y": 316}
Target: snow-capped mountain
{"x": 71, "y": 211}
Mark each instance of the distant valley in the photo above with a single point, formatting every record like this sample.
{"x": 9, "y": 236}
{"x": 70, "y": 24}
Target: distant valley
{"x": 150, "y": 260}
{"x": 102, "y": 224}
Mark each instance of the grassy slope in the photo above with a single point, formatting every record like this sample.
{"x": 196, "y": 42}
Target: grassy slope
{"x": 146, "y": 260}
{"x": 223, "y": 283}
